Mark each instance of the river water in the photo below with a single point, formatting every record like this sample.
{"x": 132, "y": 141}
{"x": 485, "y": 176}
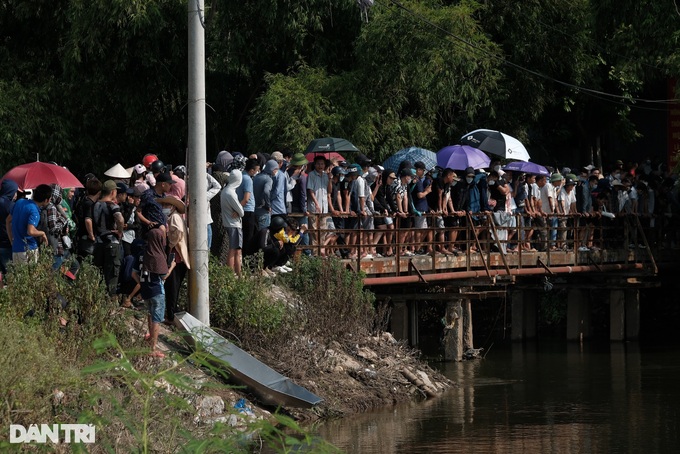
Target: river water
{"x": 535, "y": 398}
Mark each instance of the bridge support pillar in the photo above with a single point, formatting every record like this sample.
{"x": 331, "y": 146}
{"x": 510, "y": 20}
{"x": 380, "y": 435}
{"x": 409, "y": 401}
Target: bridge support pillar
{"x": 617, "y": 315}
{"x": 632, "y": 302}
{"x": 453, "y": 331}
{"x": 467, "y": 325}
{"x": 399, "y": 322}
{"x": 413, "y": 324}
{"x": 578, "y": 315}
{"x": 524, "y": 310}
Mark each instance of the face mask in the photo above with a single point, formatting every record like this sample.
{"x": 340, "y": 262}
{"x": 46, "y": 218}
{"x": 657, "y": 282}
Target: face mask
{"x": 364, "y": 175}
{"x": 342, "y": 178}
{"x": 617, "y": 176}
{"x": 497, "y": 168}
{"x": 469, "y": 180}
{"x": 408, "y": 181}
{"x": 492, "y": 182}
{"x": 296, "y": 176}
{"x": 454, "y": 183}
{"x": 167, "y": 211}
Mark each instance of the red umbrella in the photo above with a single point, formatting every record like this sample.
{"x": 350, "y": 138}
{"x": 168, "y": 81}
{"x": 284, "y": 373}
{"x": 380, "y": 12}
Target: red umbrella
{"x": 329, "y": 156}
{"x": 33, "y": 174}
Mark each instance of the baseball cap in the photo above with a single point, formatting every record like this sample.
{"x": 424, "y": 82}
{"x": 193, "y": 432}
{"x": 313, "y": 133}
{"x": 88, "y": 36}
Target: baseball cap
{"x": 122, "y": 187}
{"x": 109, "y": 185}
{"x": 363, "y": 160}
{"x": 469, "y": 171}
{"x": 420, "y": 165}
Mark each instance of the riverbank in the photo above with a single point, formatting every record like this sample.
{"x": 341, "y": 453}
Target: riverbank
{"x": 72, "y": 354}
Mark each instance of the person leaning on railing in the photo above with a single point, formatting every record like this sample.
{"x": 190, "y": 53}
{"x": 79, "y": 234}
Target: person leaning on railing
{"x": 566, "y": 205}
{"x": 385, "y": 206}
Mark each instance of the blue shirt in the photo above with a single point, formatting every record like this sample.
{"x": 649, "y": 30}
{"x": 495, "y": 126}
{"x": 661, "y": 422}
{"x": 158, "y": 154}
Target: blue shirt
{"x": 246, "y": 186}
{"x": 419, "y": 203}
{"x": 278, "y": 194}
{"x": 24, "y": 212}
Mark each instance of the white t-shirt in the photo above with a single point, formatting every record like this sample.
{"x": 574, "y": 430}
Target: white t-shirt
{"x": 319, "y": 185}
{"x": 547, "y": 192}
{"x": 567, "y": 198}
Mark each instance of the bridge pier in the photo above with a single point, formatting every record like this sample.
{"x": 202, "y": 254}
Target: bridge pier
{"x": 578, "y": 315}
{"x": 458, "y": 329}
{"x": 399, "y": 322}
{"x": 632, "y": 298}
{"x": 524, "y": 314}
{"x": 404, "y": 321}
{"x": 624, "y": 314}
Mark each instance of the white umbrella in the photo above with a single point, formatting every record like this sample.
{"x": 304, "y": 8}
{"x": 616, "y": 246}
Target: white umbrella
{"x": 117, "y": 171}
{"x": 496, "y": 142}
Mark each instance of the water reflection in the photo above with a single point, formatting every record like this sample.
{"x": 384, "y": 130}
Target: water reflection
{"x": 535, "y": 398}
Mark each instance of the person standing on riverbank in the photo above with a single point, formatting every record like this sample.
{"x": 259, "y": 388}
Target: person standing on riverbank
{"x": 8, "y": 193}
{"x": 22, "y": 225}
{"x": 151, "y": 274}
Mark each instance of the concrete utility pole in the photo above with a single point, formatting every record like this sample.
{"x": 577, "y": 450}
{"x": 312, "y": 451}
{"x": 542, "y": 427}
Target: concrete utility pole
{"x": 196, "y": 158}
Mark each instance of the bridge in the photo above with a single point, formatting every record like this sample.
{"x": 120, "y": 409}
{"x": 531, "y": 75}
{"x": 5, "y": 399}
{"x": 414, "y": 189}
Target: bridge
{"x": 620, "y": 255}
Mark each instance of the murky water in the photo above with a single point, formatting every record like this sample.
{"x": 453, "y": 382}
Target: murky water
{"x": 536, "y": 398}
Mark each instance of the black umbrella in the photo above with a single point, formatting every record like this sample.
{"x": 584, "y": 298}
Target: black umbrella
{"x": 330, "y": 144}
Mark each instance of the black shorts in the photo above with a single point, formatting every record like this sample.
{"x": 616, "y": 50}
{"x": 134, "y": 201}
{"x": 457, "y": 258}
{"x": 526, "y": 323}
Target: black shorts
{"x": 352, "y": 223}
{"x": 405, "y": 223}
{"x": 451, "y": 221}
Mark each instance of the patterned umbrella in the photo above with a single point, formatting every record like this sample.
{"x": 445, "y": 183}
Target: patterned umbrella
{"x": 496, "y": 142}
{"x": 460, "y": 157}
{"x": 412, "y": 154}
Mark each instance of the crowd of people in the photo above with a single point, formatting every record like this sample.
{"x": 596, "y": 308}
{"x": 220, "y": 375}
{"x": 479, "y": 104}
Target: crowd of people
{"x": 134, "y": 229}
{"x": 353, "y": 210}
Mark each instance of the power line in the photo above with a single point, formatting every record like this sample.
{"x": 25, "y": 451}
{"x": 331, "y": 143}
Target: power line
{"x": 588, "y": 91}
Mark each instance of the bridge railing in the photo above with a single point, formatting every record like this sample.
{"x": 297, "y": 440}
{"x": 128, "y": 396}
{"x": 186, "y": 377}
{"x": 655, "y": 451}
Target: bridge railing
{"x": 480, "y": 234}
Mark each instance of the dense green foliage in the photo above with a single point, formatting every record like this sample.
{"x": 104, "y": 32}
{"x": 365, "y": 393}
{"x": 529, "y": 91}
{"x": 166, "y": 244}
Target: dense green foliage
{"x": 93, "y": 83}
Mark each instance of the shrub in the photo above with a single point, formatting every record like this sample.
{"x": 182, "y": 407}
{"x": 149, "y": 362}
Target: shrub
{"x": 242, "y": 305}
{"x": 333, "y": 302}
{"x": 40, "y": 296}
{"x": 31, "y": 371}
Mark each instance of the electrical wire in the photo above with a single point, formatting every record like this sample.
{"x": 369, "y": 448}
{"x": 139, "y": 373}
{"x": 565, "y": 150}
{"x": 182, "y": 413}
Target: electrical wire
{"x": 584, "y": 90}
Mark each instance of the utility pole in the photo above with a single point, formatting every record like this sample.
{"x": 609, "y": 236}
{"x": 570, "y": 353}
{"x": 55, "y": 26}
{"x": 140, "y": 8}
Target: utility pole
{"x": 196, "y": 158}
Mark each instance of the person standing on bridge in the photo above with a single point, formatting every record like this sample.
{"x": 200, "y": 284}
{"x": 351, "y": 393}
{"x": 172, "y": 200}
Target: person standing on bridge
{"x": 420, "y": 208}
{"x": 319, "y": 190}
{"x": 473, "y": 198}
{"x": 262, "y": 188}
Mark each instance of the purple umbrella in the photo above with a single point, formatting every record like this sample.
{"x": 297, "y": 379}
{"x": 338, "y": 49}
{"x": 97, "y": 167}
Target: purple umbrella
{"x": 460, "y": 157}
{"x": 527, "y": 167}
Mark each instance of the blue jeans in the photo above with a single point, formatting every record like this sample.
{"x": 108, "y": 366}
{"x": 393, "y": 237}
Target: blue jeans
{"x": 263, "y": 221}
{"x": 157, "y": 308}
{"x": 209, "y": 236}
